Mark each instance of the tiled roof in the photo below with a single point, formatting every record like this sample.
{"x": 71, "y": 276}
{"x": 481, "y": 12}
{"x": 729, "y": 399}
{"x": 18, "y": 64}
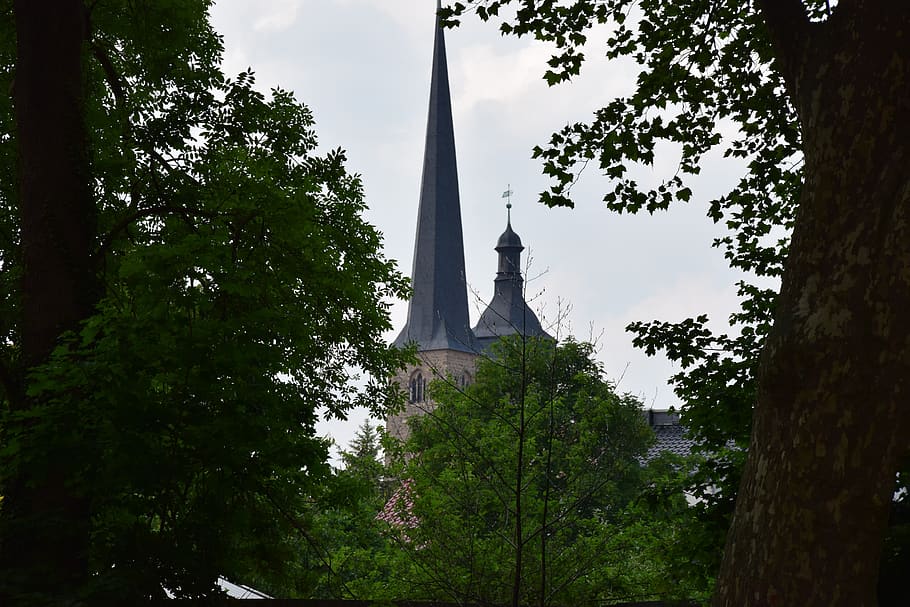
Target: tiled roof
{"x": 672, "y": 439}
{"x": 670, "y": 434}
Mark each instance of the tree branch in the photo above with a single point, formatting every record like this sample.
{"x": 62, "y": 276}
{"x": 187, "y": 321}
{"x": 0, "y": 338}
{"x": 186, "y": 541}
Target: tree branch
{"x": 160, "y": 210}
{"x": 9, "y": 380}
{"x": 117, "y": 86}
{"x": 110, "y": 73}
{"x": 308, "y": 538}
{"x": 789, "y": 27}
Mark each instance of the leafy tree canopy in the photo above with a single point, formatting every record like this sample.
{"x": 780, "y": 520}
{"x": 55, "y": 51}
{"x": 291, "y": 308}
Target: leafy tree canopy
{"x": 240, "y": 290}
{"x": 517, "y": 480}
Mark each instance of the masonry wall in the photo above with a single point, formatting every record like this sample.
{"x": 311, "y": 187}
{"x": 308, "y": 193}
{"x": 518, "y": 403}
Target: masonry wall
{"x": 451, "y": 365}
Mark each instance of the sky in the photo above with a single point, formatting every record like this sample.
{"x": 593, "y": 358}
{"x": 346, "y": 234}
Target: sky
{"x": 363, "y": 68}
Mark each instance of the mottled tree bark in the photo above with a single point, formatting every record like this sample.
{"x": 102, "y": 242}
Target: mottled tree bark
{"x": 831, "y": 419}
{"x": 45, "y": 520}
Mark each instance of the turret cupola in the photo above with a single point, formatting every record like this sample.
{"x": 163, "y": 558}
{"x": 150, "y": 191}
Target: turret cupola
{"x": 509, "y": 248}
{"x": 508, "y": 313}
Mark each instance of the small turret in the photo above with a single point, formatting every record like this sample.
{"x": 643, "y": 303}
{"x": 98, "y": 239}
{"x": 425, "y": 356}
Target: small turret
{"x": 509, "y": 248}
{"x": 508, "y": 313}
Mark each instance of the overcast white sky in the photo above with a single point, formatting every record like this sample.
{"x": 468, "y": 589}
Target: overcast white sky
{"x": 363, "y": 67}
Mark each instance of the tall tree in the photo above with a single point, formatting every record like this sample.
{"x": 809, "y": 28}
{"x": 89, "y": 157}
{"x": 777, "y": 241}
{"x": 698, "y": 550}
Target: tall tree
{"x": 196, "y": 282}
{"x": 515, "y": 480}
{"x": 361, "y": 459}
{"x": 45, "y": 519}
{"x": 831, "y": 422}
{"x": 818, "y": 91}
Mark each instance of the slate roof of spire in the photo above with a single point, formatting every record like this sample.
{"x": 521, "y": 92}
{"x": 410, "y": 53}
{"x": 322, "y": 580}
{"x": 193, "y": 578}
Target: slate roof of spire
{"x": 508, "y": 313}
{"x": 438, "y": 310}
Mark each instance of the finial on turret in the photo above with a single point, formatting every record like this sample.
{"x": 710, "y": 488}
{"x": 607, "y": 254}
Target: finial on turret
{"x": 508, "y": 196}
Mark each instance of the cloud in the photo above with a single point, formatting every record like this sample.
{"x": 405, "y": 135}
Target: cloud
{"x": 486, "y": 74}
{"x": 276, "y": 15}
{"x": 687, "y": 296}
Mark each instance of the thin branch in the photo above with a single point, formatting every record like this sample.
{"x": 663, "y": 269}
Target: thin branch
{"x": 441, "y": 580}
{"x": 474, "y": 448}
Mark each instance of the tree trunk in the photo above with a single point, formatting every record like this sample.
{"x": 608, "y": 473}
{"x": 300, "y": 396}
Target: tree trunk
{"x": 831, "y": 419}
{"x": 45, "y": 518}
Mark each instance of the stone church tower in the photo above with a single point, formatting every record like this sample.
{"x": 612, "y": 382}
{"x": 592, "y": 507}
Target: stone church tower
{"x": 438, "y": 319}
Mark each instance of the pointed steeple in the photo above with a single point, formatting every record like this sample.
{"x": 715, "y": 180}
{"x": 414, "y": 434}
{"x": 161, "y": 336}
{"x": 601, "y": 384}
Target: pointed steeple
{"x": 438, "y": 310}
{"x": 508, "y": 313}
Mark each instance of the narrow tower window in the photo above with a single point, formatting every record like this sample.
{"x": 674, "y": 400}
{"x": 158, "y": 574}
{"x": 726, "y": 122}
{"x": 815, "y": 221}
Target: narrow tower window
{"x": 417, "y": 388}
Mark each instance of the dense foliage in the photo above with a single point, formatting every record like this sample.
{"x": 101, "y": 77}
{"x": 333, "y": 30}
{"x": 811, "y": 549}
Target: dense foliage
{"x": 241, "y": 291}
{"x": 530, "y": 478}
{"x": 529, "y": 465}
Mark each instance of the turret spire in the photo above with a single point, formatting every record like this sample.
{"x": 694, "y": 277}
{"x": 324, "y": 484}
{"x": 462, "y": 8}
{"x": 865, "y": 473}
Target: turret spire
{"x": 438, "y": 310}
{"x": 508, "y": 313}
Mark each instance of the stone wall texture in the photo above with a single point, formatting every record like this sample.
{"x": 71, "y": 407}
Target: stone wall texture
{"x": 451, "y": 365}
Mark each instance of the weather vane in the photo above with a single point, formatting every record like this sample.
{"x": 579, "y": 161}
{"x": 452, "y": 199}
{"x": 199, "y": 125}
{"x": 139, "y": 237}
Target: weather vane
{"x": 508, "y": 196}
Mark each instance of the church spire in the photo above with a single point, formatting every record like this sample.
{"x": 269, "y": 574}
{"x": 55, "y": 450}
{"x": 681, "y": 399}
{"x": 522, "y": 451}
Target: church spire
{"x": 438, "y": 310}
